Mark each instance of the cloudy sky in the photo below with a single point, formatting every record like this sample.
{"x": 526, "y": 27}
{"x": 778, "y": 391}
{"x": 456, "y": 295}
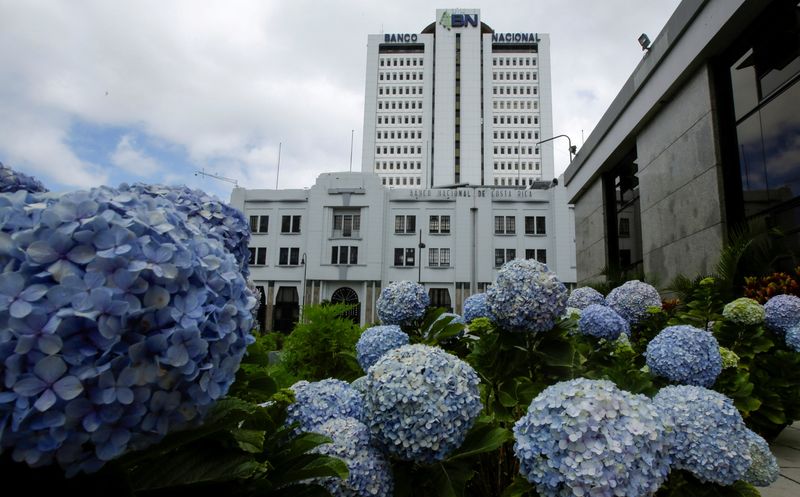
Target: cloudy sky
{"x": 104, "y": 92}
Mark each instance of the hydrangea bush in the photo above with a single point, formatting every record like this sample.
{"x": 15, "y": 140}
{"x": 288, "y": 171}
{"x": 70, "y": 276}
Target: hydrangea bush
{"x": 119, "y": 322}
{"x": 632, "y": 299}
{"x": 376, "y": 341}
{"x": 744, "y": 311}
{"x": 402, "y": 302}
{"x": 420, "y": 402}
{"x": 526, "y": 296}
{"x": 587, "y": 437}
{"x": 793, "y": 338}
{"x": 320, "y": 401}
{"x": 585, "y": 296}
{"x": 764, "y": 469}
{"x": 685, "y": 354}
{"x": 781, "y": 313}
{"x": 711, "y": 439}
{"x": 475, "y": 307}
{"x": 602, "y": 322}
{"x": 12, "y": 181}
{"x": 370, "y": 472}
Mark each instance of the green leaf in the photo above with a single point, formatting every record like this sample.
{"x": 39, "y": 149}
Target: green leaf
{"x": 191, "y": 467}
{"x": 484, "y": 437}
{"x": 251, "y": 441}
{"x": 303, "y": 443}
{"x": 311, "y": 466}
{"x": 450, "y": 479}
{"x": 518, "y": 488}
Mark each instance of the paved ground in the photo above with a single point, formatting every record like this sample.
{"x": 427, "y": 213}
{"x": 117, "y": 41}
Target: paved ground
{"x": 787, "y": 449}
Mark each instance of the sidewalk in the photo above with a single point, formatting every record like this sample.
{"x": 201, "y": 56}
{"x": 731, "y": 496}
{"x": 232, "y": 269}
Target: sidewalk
{"x": 787, "y": 450}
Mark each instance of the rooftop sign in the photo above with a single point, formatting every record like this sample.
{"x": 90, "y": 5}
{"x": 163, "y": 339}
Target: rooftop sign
{"x": 515, "y": 37}
{"x": 449, "y": 20}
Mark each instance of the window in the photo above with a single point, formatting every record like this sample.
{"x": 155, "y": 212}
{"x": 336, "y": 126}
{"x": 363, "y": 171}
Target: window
{"x": 440, "y": 297}
{"x": 346, "y": 225}
{"x": 501, "y": 256}
{"x": 344, "y": 255}
{"x": 504, "y": 225}
{"x": 439, "y": 225}
{"x": 404, "y": 257}
{"x": 405, "y": 224}
{"x": 535, "y": 225}
{"x": 539, "y": 255}
{"x": 289, "y": 256}
{"x": 624, "y": 227}
{"x": 259, "y": 224}
{"x": 290, "y": 224}
{"x": 439, "y": 257}
{"x": 622, "y": 185}
{"x": 258, "y": 256}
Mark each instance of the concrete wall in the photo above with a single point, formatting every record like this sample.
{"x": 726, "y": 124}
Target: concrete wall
{"x": 590, "y": 235}
{"x": 680, "y": 184}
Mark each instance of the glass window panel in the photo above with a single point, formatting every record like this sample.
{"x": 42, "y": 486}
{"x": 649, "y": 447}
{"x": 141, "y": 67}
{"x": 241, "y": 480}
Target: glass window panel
{"x": 353, "y": 255}
{"x": 263, "y": 225}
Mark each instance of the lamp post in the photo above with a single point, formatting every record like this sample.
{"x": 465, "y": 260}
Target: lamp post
{"x": 572, "y": 149}
{"x": 419, "y": 261}
{"x": 305, "y": 268}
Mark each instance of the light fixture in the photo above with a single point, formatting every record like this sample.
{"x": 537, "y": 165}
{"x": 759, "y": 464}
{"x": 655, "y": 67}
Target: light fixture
{"x": 644, "y": 41}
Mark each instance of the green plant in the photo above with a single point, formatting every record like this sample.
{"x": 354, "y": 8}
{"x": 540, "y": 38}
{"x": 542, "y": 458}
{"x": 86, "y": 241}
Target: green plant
{"x": 322, "y": 345}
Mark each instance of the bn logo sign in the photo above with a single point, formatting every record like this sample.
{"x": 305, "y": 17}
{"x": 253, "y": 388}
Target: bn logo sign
{"x": 449, "y": 20}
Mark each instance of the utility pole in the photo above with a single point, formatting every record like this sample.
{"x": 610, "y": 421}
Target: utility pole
{"x": 278, "y": 173}
{"x": 351, "y": 149}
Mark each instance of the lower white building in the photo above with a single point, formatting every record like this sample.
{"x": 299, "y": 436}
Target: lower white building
{"x": 348, "y": 236}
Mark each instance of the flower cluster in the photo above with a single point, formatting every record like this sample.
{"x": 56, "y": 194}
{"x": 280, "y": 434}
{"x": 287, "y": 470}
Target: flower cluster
{"x": 685, "y": 354}
{"x": 587, "y": 437}
{"x": 572, "y": 312}
{"x": 214, "y": 218}
{"x": 376, "y": 341}
{"x": 793, "y": 338}
{"x": 632, "y": 299}
{"x": 475, "y": 307}
{"x": 402, "y": 302}
{"x": 710, "y": 436}
{"x": 12, "y": 181}
{"x": 744, "y": 311}
{"x": 730, "y": 359}
{"x": 781, "y": 313}
{"x": 370, "y": 472}
{"x": 119, "y": 320}
{"x": 320, "y": 401}
{"x": 360, "y": 385}
{"x": 526, "y": 297}
{"x": 764, "y": 469}
{"x": 602, "y": 322}
{"x": 585, "y": 296}
{"x": 420, "y": 402}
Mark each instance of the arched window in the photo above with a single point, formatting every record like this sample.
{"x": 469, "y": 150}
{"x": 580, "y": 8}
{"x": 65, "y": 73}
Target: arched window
{"x": 345, "y": 295}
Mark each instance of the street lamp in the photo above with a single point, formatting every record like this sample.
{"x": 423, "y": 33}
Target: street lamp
{"x": 305, "y": 268}
{"x": 419, "y": 263}
{"x": 572, "y": 149}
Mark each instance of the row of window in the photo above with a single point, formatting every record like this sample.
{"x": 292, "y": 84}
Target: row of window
{"x": 515, "y": 181}
{"x": 391, "y": 61}
{"x": 405, "y": 165}
{"x": 413, "y": 104}
{"x": 512, "y": 61}
{"x": 514, "y": 76}
{"x": 514, "y": 166}
{"x": 400, "y": 120}
{"x": 511, "y": 119}
{"x": 289, "y": 224}
{"x": 393, "y": 76}
{"x": 515, "y": 90}
{"x": 400, "y": 150}
{"x": 516, "y": 135}
{"x": 405, "y": 134}
{"x": 403, "y": 257}
{"x": 507, "y": 225}
{"x": 515, "y": 104}
{"x": 398, "y": 90}
{"x": 392, "y": 181}
{"x": 529, "y": 150}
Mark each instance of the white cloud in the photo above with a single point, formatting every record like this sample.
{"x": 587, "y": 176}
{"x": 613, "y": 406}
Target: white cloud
{"x": 127, "y": 157}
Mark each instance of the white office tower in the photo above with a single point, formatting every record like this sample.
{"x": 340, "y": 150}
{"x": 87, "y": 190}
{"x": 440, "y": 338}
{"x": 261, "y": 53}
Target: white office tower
{"x": 458, "y": 103}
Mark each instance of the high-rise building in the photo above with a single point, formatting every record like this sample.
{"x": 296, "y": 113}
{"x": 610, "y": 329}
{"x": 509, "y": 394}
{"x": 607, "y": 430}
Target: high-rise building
{"x": 458, "y": 103}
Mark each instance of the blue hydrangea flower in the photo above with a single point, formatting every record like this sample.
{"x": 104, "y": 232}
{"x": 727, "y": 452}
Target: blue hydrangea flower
{"x": 632, "y": 299}
{"x": 744, "y": 311}
{"x": 764, "y": 469}
{"x": 320, "y": 401}
{"x": 420, "y": 402}
{"x": 370, "y": 472}
{"x": 360, "y": 385}
{"x": 213, "y": 217}
{"x": 793, "y": 337}
{"x": 585, "y": 296}
{"x": 587, "y": 437}
{"x": 12, "y": 181}
{"x": 602, "y": 322}
{"x": 526, "y": 297}
{"x": 119, "y": 322}
{"x": 402, "y": 302}
{"x": 781, "y": 313}
{"x": 685, "y": 354}
{"x": 376, "y": 341}
{"x": 710, "y": 435}
{"x": 475, "y": 307}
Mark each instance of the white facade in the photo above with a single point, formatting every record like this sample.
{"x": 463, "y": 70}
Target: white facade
{"x": 348, "y": 236}
{"x": 458, "y": 103}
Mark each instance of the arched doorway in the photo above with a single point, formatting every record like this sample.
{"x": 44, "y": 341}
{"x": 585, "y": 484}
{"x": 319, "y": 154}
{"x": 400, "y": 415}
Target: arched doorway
{"x": 287, "y": 309}
{"x": 440, "y": 297}
{"x": 345, "y": 295}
